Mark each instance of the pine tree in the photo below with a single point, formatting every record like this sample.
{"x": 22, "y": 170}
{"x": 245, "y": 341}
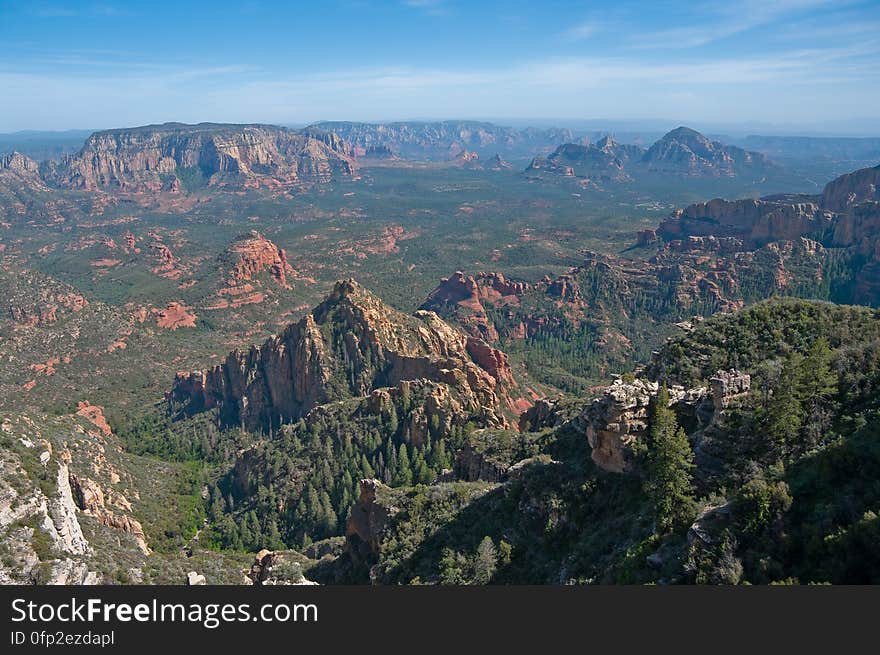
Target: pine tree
{"x": 392, "y": 422}
{"x": 817, "y": 381}
{"x": 441, "y": 458}
{"x": 390, "y": 463}
{"x": 784, "y": 415}
{"x": 327, "y": 521}
{"x": 216, "y": 503}
{"x": 403, "y": 476}
{"x": 669, "y": 464}
{"x": 816, "y": 386}
{"x": 485, "y": 561}
{"x": 421, "y": 471}
{"x": 366, "y": 470}
{"x": 273, "y": 539}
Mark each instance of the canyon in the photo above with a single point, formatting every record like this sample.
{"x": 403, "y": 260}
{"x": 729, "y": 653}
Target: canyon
{"x": 183, "y": 331}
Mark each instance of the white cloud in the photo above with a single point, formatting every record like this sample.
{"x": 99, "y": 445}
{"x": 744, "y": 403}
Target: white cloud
{"x": 431, "y": 7}
{"x": 798, "y": 85}
{"x": 582, "y": 31}
{"x": 726, "y": 19}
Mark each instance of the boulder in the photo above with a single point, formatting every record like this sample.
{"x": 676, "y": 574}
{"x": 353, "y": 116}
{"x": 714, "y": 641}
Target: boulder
{"x": 193, "y": 579}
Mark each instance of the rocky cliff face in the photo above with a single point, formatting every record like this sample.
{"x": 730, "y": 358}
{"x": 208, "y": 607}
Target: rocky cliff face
{"x": 159, "y": 157}
{"x": 19, "y": 180}
{"x": 858, "y": 233}
{"x": 616, "y": 424}
{"x": 350, "y": 345}
{"x": 19, "y": 163}
{"x": 471, "y": 465}
{"x": 43, "y": 541}
{"x": 756, "y": 222}
{"x": 848, "y": 206}
{"x": 851, "y": 189}
{"x": 90, "y": 498}
{"x": 846, "y": 216}
{"x": 859, "y": 228}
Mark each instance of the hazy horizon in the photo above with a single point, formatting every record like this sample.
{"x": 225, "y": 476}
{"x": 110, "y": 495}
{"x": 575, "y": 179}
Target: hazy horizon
{"x": 855, "y": 129}
{"x": 800, "y": 65}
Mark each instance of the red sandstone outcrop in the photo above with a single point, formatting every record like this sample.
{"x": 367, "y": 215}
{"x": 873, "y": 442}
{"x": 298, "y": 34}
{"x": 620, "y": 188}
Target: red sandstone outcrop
{"x": 175, "y": 315}
{"x": 351, "y": 332}
{"x": 166, "y": 261}
{"x": 94, "y": 414}
{"x": 72, "y": 301}
{"x": 130, "y": 243}
{"x": 257, "y": 253}
{"x": 565, "y": 287}
{"x": 491, "y": 359}
{"x": 253, "y": 253}
{"x": 45, "y": 310}
{"x": 470, "y": 293}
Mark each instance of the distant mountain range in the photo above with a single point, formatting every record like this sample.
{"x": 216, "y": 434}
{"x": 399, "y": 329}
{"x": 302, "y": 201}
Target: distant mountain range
{"x": 681, "y": 152}
{"x": 445, "y": 140}
{"x": 175, "y": 157}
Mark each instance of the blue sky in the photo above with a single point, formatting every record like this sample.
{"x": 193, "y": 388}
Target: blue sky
{"x": 809, "y": 63}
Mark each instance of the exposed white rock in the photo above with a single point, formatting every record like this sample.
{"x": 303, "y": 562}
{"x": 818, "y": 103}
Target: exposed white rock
{"x": 68, "y": 534}
{"x": 194, "y": 579}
